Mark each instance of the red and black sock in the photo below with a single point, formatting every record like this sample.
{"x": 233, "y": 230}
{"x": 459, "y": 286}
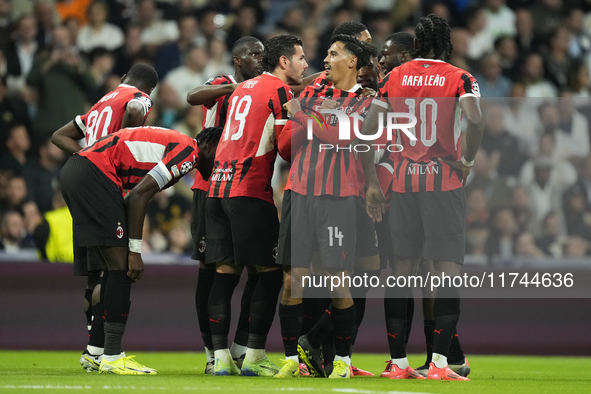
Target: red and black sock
{"x": 204, "y": 285}
{"x": 395, "y": 309}
{"x": 263, "y": 307}
{"x": 429, "y": 326}
{"x": 291, "y": 317}
{"x": 220, "y": 308}
{"x": 344, "y": 321}
{"x": 447, "y": 312}
{"x": 456, "y": 354}
{"x": 117, "y": 304}
{"x": 313, "y": 310}
{"x": 322, "y": 329}
{"x": 241, "y": 337}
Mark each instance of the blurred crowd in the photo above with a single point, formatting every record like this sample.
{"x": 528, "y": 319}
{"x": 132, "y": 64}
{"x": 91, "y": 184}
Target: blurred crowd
{"x": 530, "y": 190}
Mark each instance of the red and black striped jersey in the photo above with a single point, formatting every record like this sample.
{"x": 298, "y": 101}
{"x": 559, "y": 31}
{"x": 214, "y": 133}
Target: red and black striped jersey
{"x": 431, "y": 90}
{"x": 320, "y": 80}
{"x": 127, "y": 156}
{"x": 214, "y": 114}
{"x": 316, "y": 168}
{"x": 106, "y": 116}
{"x": 247, "y": 149}
{"x": 382, "y": 155}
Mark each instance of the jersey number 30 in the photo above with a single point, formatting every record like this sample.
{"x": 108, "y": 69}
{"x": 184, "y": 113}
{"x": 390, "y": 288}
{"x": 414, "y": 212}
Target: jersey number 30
{"x": 97, "y": 125}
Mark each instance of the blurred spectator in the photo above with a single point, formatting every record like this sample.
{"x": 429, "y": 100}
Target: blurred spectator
{"x": 179, "y": 239}
{"x": 43, "y": 175}
{"x": 460, "y": 39}
{"x": 191, "y": 122}
{"x": 546, "y": 15}
{"x": 121, "y": 12}
{"x": 209, "y": 28}
{"x": 170, "y": 56}
{"x": 31, "y": 216}
{"x": 480, "y": 41}
{"x": 524, "y": 26}
{"x": 339, "y": 15}
{"x": 580, "y": 40}
{"x": 477, "y": 234}
{"x": 244, "y": 25}
{"x": 557, "y": 61}
{"x": 101, "y": 65}
{"x": 5, "y": 22}
{"x": 73, "y": 8}
{"x": 501, "y": 146}
{"x": 562, "y": 175}
{"x": 167, "y": 209}
{"x": 12, "y": 233}
{"x": 98, "y": 32}
{"x": 574, "y": 128}
{"x": 12, "y": 108}
{"x": 522, "y": 118}
{"x": 184, "y": 78}
{"x": 525, "y": 246}
{"x": 584, "y": 181}
{"x": 125, "y": 55}
{"x": 576, "y": 212}
{"x": 576, "y": 247}
{"x": 169, "y": 106}
{"x": 485, "y": 177}
{"x": 73, "y": 27}
{"x": 16, "y": 193}
{"x": 54, "y": 233}
{"x": 314, "y": 54}
{"x": 46, "y": 21}
{"x": 380, "y": 27}
{"x": 500, "y": 242}
{"x": 17, "y": 144}
{"x": 506, "y": 48}
{"x": 220, "y": 62}
{"x": 491, "y": 81}
{"x": 476, "y": 204}
{"x": 532, "y": 74}
{"x": 155, "y": 31}
{"x": 500, "y": 19}
{"x": 578, "y": 79}
{"x": 522, "y": 212}
{"x": 549, "y": 241}
{"x": 61, "y": 79}
{"x": 292, "y": 21}
{"x": 20, "y": 53}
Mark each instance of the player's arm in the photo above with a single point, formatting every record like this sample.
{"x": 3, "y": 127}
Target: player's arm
{"x": 66, "y": 138}
{"x": 135, "y": 115}
{"x": 297, "y": 89}
{"x": 208, "y": 93}
{"x": 374, "y": 198}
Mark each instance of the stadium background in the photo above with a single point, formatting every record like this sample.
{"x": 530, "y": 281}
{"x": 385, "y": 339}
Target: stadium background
{"x": 529, "y": 196}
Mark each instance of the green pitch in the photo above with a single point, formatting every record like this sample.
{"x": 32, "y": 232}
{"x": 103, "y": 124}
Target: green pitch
{"x": 59, "y": 372}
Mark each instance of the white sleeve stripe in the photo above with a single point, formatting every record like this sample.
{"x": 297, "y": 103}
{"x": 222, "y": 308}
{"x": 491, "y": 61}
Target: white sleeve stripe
{"x": 388, "y": 167}
{"x": 80, "y": 124}
{"x": 279, "y": 122}
{"x": 468, "y": 95}
{"x": 141, "y": 102}
{"x": 380, "y": 103}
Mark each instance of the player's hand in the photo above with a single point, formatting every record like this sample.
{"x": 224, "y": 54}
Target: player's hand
{"x": 368, "y": 92}
{"x": 136, "y": 266}
{"x": 375, "y": 202}
{"x": 329, "y": 104}
{"x": 292, "y": 106}
{"x": 458, "y": 165}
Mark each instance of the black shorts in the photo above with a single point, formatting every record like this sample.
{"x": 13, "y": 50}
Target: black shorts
{"x": 241, "y": 230}
{"x": 198, "y": 225}
{"x": 431, "y": 225}
{"x": 95, "y": 202}
{"x": 332, "y": 222}
{"x": 367, "y": 240}
{"x": 85, "y": 260}
{"x": 284, "y": 247}
{"x": 386, "y": 251}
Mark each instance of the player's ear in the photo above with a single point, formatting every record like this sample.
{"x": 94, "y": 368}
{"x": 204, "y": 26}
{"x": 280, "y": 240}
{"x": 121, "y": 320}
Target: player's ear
{"x": 237, "y": 61}
{"x": 353, "y": 61}
{"x": 283, "y": 62}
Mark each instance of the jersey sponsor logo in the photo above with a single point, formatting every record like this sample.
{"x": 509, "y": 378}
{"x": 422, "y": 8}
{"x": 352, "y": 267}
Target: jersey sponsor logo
{"x": 275, "y": 251}
{"x": 119, "y": 231}
{"x": 423, "y": 168}
{"x": 186, "y": 167}
{"x": 223, "y": 174}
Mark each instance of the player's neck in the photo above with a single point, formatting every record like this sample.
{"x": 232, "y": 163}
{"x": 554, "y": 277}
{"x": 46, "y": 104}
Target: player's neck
{"x": 347, "y": 82}
{"x": 238, "y": 76}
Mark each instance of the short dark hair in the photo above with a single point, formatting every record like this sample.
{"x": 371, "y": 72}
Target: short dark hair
{"x": 240, "y": 45}
{"x": 276, "y": 47}
{"x": 353, "y": 45}
{"x": 98, "y": 52}
{"x": 350, "y": 28}
{"x": 402, "y": 40}
{"x": 209, "y": 136}
{"x": 142, "y": 73}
